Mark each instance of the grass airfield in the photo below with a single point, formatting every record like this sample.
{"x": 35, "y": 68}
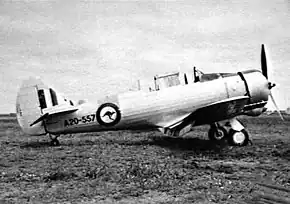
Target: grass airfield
{"x": 144, "y": 167}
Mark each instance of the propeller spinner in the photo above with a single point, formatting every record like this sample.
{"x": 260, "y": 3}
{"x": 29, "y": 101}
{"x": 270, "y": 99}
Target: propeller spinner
{"x": 264, "y": 68}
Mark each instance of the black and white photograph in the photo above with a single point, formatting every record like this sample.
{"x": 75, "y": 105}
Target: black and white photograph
{"x": 142, "y": 101}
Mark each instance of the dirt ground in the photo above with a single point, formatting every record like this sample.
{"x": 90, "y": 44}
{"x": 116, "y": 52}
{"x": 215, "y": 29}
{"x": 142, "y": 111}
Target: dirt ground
{"x": 144, "y": 167}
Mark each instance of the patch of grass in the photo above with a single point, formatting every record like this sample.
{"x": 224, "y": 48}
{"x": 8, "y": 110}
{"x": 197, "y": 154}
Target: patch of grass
{"x": 141, "y": 167}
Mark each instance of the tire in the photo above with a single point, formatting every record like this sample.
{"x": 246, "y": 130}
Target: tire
{"x": 54, "y": 142}
{"x": 238, "y": 138}
{"x": 217, "y": 133}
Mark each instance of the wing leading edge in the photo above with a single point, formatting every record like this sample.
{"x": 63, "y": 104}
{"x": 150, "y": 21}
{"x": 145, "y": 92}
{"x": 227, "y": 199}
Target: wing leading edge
{"x": 211, "y": 113}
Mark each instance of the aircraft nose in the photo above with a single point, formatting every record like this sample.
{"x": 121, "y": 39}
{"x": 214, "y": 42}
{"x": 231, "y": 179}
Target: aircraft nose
{"x": 258, "y": 86}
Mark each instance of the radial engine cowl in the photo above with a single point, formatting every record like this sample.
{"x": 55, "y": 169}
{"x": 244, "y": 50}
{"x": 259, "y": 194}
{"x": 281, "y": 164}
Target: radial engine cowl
{"x": 258, "y": 86}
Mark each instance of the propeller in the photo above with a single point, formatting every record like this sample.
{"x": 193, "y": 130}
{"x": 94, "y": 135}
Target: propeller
{"x": 272, "y": 97}
{"x": 264, "y": 62}
{"x": 265, "y": 73}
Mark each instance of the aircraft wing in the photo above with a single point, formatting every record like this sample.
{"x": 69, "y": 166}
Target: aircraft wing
{"x": 55, "y": 110}
{"x": 217, "y": 111}
{"x": 220, "y": 110}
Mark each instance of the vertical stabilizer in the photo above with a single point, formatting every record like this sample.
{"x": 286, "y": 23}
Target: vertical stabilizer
{"x": 35, "y": 100}
{"x": 28, "y": 107}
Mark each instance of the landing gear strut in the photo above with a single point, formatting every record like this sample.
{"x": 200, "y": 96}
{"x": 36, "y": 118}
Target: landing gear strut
{"x": 236, "y": 135}
{"x": 54, "y": 140}
{"x": 217, "y": 132}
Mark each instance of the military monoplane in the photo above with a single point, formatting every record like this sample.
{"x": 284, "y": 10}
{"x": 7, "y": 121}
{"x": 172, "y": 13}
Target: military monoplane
{"x": 175, "y": 105}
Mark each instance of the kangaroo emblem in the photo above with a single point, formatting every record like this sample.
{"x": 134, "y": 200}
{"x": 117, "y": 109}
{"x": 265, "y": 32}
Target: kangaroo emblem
{"x": 109, "y": 114}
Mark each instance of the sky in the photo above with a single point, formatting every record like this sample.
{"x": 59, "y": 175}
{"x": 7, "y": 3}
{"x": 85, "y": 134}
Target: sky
{"x": 89, "y": 49}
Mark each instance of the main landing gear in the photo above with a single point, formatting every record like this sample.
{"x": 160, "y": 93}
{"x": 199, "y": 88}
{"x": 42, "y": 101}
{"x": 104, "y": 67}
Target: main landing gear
{"x": 236, "y": 135}
{"x": 54, "y": 140}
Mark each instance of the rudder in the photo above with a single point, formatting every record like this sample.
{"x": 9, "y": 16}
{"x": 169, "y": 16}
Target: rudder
{"x": 34, "y": 99}
{"x": 28, "y": 107}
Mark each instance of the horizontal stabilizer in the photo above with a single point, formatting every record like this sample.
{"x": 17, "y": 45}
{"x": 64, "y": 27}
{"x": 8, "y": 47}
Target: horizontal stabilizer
{"x": 60, "y": 109}
{"x": 55, "y": 110}
{"x": 41, "y": 118}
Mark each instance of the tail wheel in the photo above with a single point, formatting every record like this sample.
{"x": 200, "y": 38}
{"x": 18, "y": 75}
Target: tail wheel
{"x": 54, "y": 141}
{"x": 217, "y": 133}
{"x": 238, "y": 138}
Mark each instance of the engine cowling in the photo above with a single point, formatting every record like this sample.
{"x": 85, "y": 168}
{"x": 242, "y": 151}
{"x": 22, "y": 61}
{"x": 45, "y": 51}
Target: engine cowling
{"x": 257, "y": 86}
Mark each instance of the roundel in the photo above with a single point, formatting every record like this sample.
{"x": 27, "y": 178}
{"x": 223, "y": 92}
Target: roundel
{"x": 108, "y": 114}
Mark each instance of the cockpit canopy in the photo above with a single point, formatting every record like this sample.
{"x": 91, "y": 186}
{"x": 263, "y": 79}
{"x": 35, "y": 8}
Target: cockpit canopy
{"x": 166, "y": 80}
{"x": 179, "y": 78}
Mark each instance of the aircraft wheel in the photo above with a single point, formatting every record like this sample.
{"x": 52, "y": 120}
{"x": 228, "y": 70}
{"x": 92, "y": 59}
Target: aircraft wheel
{"x": 217, "y": 133}
{"x": 238, "y": 138}
{"x": 55, "y": 142}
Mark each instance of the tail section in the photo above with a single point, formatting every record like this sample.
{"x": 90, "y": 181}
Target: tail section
{"x": 34, "y": 99}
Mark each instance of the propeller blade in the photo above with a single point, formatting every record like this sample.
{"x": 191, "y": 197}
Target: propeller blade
{"x": 277, "y": 109}
{"x": 264, "y": 62}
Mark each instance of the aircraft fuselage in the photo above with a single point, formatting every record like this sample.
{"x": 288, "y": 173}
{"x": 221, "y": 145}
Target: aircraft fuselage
{"x": 151, "y": 110}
